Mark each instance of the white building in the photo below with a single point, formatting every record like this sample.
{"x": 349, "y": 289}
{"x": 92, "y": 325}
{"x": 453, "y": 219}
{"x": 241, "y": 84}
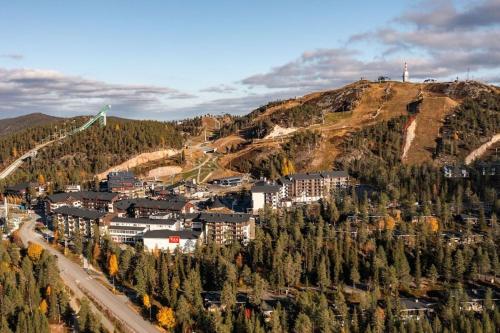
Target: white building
{"x": 130, "y": 230}
{"x": 265, "y": 194}
{"x": 170, "y": 240}
{"x": 298, "y": 188}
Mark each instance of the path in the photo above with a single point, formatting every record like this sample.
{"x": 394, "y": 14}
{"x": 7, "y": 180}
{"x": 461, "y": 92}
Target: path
{"x": 481, "y": 150}
{"x": 410, "y": 135}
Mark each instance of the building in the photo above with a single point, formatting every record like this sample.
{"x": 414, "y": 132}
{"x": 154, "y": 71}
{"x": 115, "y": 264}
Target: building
{"x": 72, "y": 188}
{"x": 310, "y": 187}
{"x": 298, "y": 188}
{"x": 83, "y": 219}
{"x": 414, "y": 309}
{"x": 101, "y": 201}
{"x": 123, "y": 182}
{"x": 223, "y": 228}
{"x": 229, "y": 181}
{"x": 455, "y": 171}
{"x": 170, "y": 240}
{"x": 130, "y": 230}
{"x": 171, "y": 206}
{"x": 266, "y": 194}
{"x": 22, "y": 192}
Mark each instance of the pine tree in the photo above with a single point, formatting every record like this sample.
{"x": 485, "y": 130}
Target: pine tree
{"x": 302, "y": 324}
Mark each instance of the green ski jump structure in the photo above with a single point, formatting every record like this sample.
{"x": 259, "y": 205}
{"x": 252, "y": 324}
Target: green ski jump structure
{"x": 100, "y": 117}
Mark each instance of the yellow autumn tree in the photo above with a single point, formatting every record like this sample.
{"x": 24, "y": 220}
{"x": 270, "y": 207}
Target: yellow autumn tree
{"x": 166, "y": 318}
{"x": 43, "y": 306}
{"x": 48, "y": 290}
{"x": 433, "y": 224}
{"x": 147, "y": 304}
{"x": 145, "y": 301}
{"x": 390, "y": 223}
{"x": 41, "y": 179}
{"x": 287, "y": 167}
{"x": 113, "y": 265}
{"x": 291, "y": 167}
{"x": 35, "y": 251}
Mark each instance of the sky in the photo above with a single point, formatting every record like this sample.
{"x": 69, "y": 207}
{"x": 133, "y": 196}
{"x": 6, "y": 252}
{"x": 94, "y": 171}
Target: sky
{"x": 177, "y": 59}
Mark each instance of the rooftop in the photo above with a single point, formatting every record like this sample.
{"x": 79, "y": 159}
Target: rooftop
{"x": 131, "y": 220}
{"x": 264, "y": 187}
{"x": 223, "y": 217}
{"x": 73, "y": 196}
{"x": 164, "y": 233}
{"x": 176, "y": 203}
{"x": 80, "y": 212}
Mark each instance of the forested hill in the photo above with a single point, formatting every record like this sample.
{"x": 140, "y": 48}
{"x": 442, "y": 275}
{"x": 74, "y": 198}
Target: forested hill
{"x": 79, "y": 157}
{"x": 12, "y": 125}
{"x": 444, "y": 122}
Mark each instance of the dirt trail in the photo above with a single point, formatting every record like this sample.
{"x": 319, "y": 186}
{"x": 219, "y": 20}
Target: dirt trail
{"x": 481, "y": 150}
{"x": 140, "y": 159}
{"x": 410, "y": 135}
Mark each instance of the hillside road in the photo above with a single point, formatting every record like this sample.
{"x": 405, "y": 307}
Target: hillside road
{"x": 75, "y": 276}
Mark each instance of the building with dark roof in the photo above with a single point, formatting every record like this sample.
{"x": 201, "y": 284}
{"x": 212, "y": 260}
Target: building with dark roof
{"x": 123, "y": 182}
{"x": 297, "y": 188}
{"x": 143, "y": 207}
{"x": 85, "y": 220}
{"x": 414, "y": 309}
{"x": 101, "y": 201}
{"x": 223, "y": 228}
{"x": 455, "y": 171}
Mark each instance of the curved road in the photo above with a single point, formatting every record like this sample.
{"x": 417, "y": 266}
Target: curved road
{"x": 75, "y": 277}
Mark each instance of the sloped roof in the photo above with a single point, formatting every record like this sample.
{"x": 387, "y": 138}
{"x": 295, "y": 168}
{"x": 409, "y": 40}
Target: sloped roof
{"x": 80, "y": 212}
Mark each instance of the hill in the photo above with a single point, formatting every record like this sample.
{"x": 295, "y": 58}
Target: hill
{"x": 311, "y": 131}
{"x": 78, "y": 158}
{"x": 11, "y": 125}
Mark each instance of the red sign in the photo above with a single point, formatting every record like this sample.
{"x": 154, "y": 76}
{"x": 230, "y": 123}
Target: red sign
{"x": 173, "y": 239}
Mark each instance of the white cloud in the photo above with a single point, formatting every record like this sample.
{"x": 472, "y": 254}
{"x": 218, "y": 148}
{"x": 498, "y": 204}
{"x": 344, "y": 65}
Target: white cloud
{"x": 439, "y": 41}
{"x": 33, "y": 90}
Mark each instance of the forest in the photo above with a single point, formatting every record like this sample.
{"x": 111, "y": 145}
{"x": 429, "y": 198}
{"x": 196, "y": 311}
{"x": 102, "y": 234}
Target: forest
{"x": 475, "y": 120}
{"x": 338, "y": 276}
{"x": 33, "y": 298}
{"x": 76, "y": 159}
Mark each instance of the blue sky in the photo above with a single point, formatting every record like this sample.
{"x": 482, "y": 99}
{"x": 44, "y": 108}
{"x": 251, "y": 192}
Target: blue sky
{"x": 170, "y": 60}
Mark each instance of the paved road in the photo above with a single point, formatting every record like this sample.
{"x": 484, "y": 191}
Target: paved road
{"x": 14, "y": 165}
{"x": 76, "y": 278}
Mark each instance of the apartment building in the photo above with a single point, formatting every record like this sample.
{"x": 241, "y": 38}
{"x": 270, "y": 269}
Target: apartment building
{"x": 172, "y": 206}
{"x": 84, "y": 220}
{"x": 297, "y": 188}
{"x": 266, "y": 194}
{"x": 223, "y": 228}
{"x": 101, "y": 201}
{"x": 123, "y": 182}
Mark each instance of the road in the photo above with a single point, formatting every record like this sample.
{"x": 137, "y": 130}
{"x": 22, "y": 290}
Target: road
{"x": 14, "y": 165}
{"x": 77, "y": 279}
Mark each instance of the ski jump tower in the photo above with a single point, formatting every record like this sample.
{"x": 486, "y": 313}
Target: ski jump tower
{"x": 100, "y": 117}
